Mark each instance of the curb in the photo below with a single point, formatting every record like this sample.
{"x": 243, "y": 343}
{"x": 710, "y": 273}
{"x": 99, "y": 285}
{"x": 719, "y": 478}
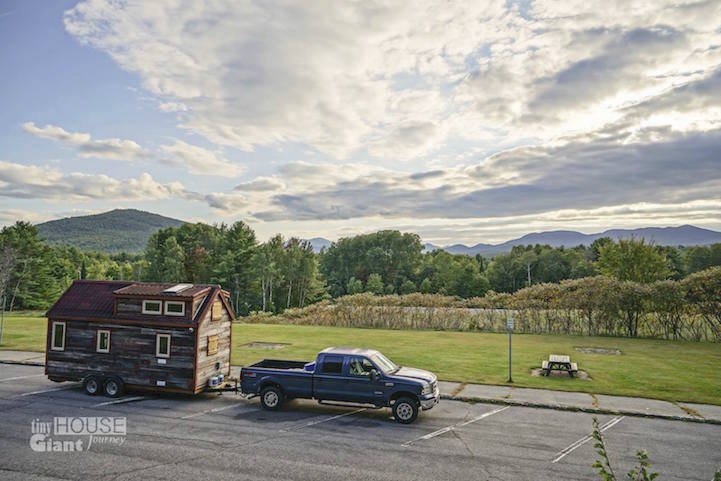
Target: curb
{"x": 558, "y": 407}
{"x": 23, "y": 363}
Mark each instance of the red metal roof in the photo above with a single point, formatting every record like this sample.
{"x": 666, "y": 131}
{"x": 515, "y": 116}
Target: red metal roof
{"x": 87, "y": 299}
{"x": 95, "y": 300}
{"x": 158, "y": 289}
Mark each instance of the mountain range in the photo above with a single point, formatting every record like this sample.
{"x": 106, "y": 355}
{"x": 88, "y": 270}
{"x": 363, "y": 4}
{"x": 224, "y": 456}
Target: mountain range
{"x": 685, "y": 235}
{"x": 128, "y": 230}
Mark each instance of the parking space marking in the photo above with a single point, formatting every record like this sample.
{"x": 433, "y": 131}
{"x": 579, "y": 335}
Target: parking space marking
{"x": 455, "y": 426}
{"x": 20, "y": 377}
{"x": 562, "y": 454}
{"x": 324, "y": 420}
{"x": 121, "y": 401}
{"x": 64, "y": 388}
{"x": 210, "y": 411}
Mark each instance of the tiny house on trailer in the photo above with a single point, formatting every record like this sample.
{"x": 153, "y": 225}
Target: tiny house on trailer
{"x": 115, "y": 334}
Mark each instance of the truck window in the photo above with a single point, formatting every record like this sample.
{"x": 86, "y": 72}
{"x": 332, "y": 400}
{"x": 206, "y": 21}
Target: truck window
{"x": 359, "y": 366}
{"x": 332, "y": 365}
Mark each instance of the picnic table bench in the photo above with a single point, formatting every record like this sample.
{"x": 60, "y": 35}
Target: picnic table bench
{"x": 559, "y": 363}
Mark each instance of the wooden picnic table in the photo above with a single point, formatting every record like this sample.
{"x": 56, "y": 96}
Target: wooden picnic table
{"x": 559, "y": 363}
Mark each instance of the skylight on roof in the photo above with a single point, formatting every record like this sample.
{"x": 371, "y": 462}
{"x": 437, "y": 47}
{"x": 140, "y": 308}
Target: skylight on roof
{"x": 177, "y": 288}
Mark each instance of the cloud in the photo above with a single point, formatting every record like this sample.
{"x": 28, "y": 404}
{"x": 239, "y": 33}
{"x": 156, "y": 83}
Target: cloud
{"x": 21, "y": 181}
{"x": 198, "y": 160}
{"x": 117, "y": 149}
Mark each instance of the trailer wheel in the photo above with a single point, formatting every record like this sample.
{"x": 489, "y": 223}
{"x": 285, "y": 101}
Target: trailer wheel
{"x": 91, "y": 384}
{"x": 271, "y": 398}
{"x": 405, "y": 410}
{"x": 113, "y": 387}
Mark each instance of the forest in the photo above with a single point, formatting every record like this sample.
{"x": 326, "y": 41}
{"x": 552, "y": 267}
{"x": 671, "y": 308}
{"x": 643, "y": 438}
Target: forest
{"x": 282, "y": 273}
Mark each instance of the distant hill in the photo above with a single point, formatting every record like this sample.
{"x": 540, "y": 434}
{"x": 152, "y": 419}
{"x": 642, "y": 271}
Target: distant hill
{"x": 120, "y": 230}
{"x": 685, "y": 235}
{"x": 319, "y": 243}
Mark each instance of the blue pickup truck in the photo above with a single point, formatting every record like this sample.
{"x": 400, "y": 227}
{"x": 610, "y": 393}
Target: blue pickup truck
{"x": 343, "y": 375}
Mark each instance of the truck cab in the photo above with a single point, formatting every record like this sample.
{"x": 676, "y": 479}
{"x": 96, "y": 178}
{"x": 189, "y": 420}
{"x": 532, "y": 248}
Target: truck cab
{"x": 345, "y": 375}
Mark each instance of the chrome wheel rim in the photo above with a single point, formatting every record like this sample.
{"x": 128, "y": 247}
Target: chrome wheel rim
{"x": 270, "y": 398}
{"x": 111, "y": 388}
{"x": 404, "y": 411}
{"x": 91, "y": 386}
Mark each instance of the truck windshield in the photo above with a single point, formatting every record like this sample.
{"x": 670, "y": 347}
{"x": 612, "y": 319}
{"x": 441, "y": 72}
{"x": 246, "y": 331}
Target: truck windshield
{"x": 385, "y": 364}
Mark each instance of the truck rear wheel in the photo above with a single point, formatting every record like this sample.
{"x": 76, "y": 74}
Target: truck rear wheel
{"x": 405, "y": 410}
{"x": 91, "y": 384}
{"x": 271, "y": 398}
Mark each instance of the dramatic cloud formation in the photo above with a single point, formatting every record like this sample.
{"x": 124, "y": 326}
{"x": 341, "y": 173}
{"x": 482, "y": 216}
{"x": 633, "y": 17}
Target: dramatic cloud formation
{"x": 117, "y": 149}
{"x": 466, "y": 115}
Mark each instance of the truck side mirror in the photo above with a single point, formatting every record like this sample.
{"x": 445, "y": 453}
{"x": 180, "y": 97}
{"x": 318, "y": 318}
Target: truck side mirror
{"x": 374, "y": 375}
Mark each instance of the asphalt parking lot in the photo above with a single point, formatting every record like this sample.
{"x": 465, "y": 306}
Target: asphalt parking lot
{"x": 228, "y": 437}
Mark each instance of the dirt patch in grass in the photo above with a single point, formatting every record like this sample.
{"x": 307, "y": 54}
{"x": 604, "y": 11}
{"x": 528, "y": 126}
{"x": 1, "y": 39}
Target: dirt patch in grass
{"x": 598, "y": 350}
{"x": 265, "y": 345}
{"x": 538, "y": 372}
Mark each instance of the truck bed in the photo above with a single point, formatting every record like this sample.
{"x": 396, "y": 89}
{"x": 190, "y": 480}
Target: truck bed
{"x": 279, "y": 364}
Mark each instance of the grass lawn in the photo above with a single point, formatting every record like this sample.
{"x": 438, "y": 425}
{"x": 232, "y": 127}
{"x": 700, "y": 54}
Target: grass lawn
{"x": 670, "y": 370}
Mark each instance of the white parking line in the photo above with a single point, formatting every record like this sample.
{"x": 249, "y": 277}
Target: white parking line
{"x": 454, "y": 426}
{"x": 324, "y": 420}
{"x": 46, "y": 390}
{"x": 562, "y": 454}
{"x": 120, "y": 401}
{"x": 209, "y": 411}
{"x": 20, "y": 377}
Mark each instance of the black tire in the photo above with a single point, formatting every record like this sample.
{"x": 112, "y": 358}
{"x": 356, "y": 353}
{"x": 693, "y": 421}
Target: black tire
{"x": 405, "y": 410}
{"x": 92, "y": 385}
{"x": 113, "y": 387}
{"x": 271, "y": 398}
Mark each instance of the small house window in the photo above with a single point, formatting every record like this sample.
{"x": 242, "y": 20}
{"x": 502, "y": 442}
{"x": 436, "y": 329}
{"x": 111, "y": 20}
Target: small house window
{"x": 102, "y": 343}
{"x": 217, "y": 313}
{"x": 212, "y": 345}
{"x": 152, "y": 307}
{"x": 174, "y": 308}
{"x": 58, "y": 336}
{"x": 162, "y": 345}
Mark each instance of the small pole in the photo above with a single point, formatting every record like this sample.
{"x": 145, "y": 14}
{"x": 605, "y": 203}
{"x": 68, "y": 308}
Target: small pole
{"x": 509, "y": 325}
{"x": 2, "y": 318}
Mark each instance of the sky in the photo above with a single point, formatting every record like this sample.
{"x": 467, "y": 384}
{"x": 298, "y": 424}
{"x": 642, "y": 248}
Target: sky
{"x": 460, "y": 121}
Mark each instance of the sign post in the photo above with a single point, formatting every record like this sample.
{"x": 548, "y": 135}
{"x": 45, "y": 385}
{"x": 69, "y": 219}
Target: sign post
{"x": 509, "y": 325}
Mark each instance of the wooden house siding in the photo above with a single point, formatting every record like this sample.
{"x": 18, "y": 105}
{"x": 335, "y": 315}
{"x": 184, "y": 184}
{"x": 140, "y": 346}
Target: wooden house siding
{"x": 131, "y": 356}
{"x": 205, "y": 364}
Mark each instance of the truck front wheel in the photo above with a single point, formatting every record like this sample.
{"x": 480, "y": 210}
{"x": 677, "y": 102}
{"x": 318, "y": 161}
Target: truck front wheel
{"x": 405, "y": 410}
{"x": 271, "y": 398}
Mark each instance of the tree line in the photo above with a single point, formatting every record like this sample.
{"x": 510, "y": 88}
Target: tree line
{"x": 285, "y": 273}
{"x": 687, "y": 309}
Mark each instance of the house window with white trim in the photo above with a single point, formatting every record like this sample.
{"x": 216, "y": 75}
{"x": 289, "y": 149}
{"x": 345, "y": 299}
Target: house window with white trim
{"x": 102, "y": 341}
{"x": 174, "y": 308}
{"x": 152, "y": 307}
{"x": 162, "y": 345}
{"x": 58, "y": 337}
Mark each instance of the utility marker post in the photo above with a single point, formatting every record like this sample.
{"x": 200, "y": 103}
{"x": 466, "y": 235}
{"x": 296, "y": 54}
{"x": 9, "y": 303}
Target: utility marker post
{"x": 2, "y": 317}
{"x": 509, "y": 325}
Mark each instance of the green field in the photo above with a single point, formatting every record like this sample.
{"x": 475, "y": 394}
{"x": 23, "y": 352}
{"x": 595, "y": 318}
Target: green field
{"x": 670, "y": 370}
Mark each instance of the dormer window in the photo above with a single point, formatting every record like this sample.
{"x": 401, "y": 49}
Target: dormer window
{"x": 174, "y": 308}
{"x": 152, "y": 307}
